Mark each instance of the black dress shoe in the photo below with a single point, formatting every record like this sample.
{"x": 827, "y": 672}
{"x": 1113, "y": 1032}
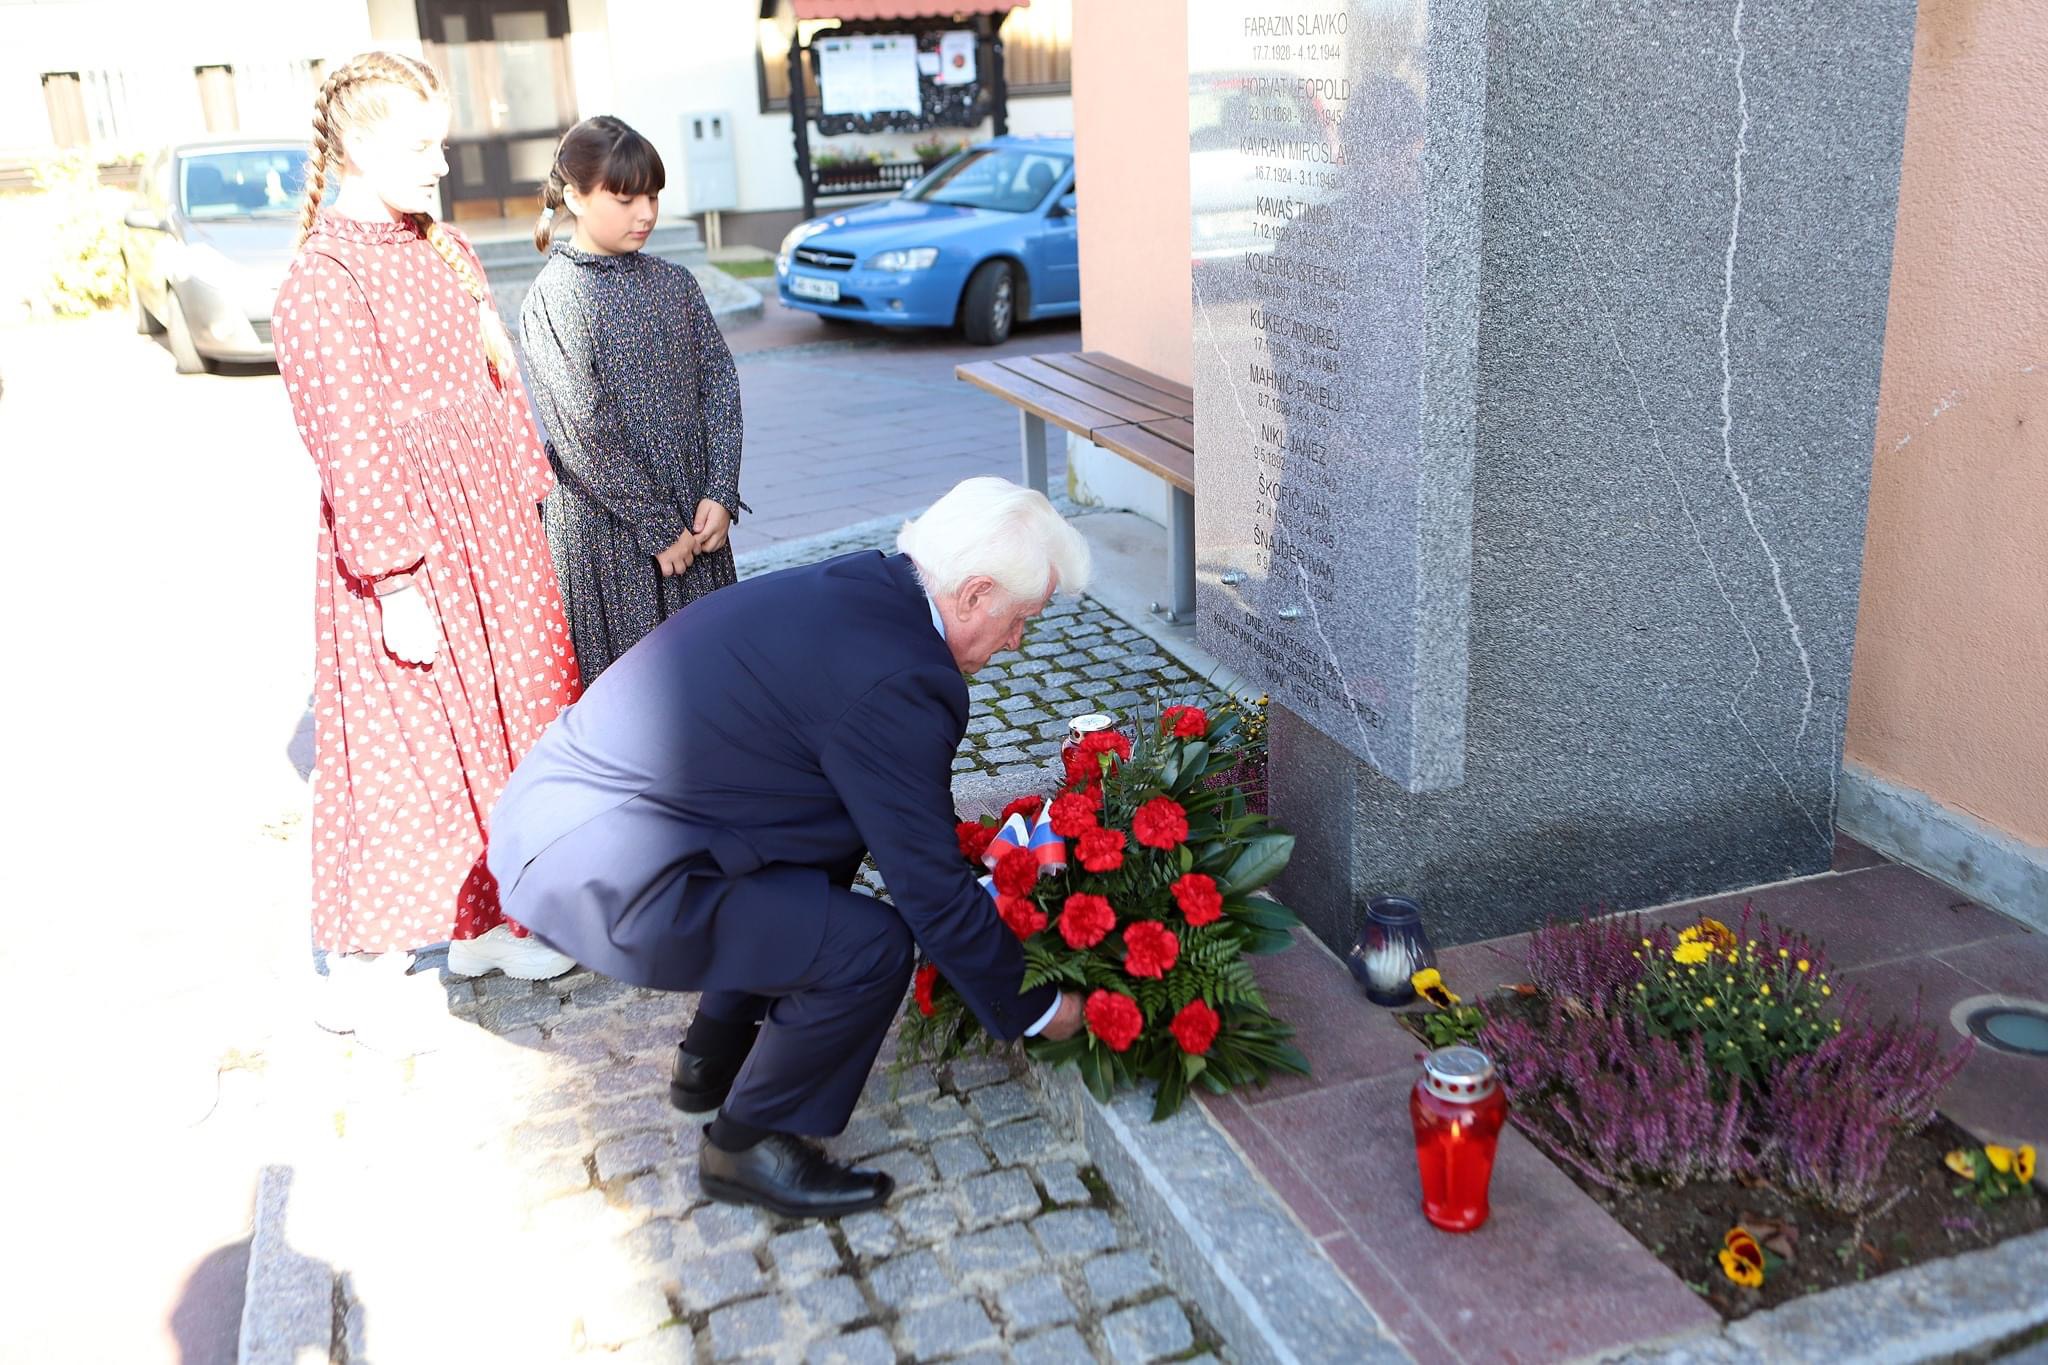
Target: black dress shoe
{"x": 789, "y": 1176}
{"x": 701, "y": 1084}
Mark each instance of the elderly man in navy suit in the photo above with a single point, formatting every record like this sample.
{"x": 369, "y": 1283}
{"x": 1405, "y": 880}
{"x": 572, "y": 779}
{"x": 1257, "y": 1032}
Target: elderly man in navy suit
{"x": 695, "y": 823}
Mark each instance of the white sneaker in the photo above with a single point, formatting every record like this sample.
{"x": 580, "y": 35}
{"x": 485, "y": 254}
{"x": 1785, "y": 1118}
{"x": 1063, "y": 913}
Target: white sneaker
{"x": 498, "y": 950}
{"x": 372, "y": 996}
{"x": 339, "y": 1002}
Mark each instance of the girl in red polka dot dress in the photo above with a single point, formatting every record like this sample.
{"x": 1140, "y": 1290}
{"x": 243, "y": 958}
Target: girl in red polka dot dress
{"x": 442, "y": 651}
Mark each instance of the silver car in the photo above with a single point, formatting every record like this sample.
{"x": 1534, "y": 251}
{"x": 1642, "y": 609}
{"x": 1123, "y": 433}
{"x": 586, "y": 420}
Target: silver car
{"x": 207, "y": 242}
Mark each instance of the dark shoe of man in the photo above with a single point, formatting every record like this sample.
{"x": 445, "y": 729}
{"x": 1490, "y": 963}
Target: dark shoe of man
{"x": 700, "y": 1084}
{"x": 791, "y": 1177}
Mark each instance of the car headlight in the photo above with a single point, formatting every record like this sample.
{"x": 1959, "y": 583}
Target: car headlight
{"x": 914, "y": 258}
{"x": 795, "y": 237}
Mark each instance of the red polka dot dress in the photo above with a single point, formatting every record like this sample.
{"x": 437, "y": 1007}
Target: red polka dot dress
{"x": 428, "y": 468}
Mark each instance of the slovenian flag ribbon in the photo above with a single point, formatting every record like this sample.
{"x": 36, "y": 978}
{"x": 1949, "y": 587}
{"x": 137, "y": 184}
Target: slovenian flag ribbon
{"x": 1047, "y": 847}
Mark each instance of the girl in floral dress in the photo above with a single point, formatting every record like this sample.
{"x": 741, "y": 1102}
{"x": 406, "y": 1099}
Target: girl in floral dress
{"x": 442, "y": 650}
{"x": 639, "y": 395}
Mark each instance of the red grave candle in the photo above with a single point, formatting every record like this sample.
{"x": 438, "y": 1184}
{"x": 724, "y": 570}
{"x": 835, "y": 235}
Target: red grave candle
{"x": 1457, "y": 1110}
{"x": 1078, "y": 729}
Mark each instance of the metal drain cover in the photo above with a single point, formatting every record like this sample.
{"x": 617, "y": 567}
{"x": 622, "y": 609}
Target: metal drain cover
{"x": 2014, "y": 1028}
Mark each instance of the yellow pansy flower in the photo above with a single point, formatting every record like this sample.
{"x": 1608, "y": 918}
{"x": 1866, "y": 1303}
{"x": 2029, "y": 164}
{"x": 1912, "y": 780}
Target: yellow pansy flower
{"x": 2023, "y": 1162}
{"x": 1999, "y": 1157}
{"x": 1962, "y": 1162}
{"x": 1748, "y": 1274}
{"x": 1429, "y": 984}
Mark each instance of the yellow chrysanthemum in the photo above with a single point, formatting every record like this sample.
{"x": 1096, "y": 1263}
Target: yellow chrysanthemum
{"x": 1689, "y": 934}
{"x": 1804, "y": 965}
{"x": 1999, "y": 1157}
{"x": 2023, "y": 1163}
{"x": 1707, "y": 1001}
{"x": 1962, "y": 1162}
{"x": 1827, "y": 990}
{"x": 1716, "y": 933}
{"x": 1763, "y": 990}
{"x": 1691, "y": 954}
{"x": 1785, "y": 952}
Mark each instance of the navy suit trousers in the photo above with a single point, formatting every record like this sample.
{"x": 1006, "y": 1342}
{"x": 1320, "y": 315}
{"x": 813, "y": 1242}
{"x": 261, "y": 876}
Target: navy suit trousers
{"x": 822, "y": 1024}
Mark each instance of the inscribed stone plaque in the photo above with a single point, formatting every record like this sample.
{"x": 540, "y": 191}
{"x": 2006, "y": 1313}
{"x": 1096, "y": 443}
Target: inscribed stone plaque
{"x": 1334, "y": 156}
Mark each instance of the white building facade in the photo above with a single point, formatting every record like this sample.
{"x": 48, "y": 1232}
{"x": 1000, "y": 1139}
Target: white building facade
{"x": 122, "y": 76}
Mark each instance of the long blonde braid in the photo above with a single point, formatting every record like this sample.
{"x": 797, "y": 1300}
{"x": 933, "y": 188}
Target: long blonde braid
{"x": 355, "y": 95}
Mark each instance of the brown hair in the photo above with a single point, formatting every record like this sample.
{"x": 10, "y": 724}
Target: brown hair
{"x": 601, "y": 153}
{"x": 357, "y": 95}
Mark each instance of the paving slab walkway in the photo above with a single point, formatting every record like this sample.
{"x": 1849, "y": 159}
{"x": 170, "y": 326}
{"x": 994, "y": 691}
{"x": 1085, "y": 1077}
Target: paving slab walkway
{"x": 1551, "y": 1276}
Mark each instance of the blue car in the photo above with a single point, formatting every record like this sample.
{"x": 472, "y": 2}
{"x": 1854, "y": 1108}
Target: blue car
{"x": 983, "y": 240}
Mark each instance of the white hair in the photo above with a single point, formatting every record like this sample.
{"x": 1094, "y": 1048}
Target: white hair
{"x": 992, "y": 527}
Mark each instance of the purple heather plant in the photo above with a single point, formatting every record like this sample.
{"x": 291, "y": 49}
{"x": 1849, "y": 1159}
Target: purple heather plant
{"x": 1830, "y": 1118}
{"x": 1636, "y": 1107}
{"x": 1594, "y": 962}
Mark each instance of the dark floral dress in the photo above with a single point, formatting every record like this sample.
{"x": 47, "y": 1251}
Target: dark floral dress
{"x": 641, "y": 404}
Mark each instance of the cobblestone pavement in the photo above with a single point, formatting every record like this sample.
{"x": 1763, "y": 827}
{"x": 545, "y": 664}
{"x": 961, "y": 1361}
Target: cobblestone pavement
{"x": 572, "y": 1188}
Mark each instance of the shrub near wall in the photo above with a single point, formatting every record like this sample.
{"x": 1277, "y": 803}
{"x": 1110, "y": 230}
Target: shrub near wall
{"x": 64, "y": 241}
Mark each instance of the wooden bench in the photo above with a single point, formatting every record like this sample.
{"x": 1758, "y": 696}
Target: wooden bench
{"x": 1146, "y": 418}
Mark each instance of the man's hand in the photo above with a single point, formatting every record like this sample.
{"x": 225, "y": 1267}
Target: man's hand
{"x": 410, "y": 631}
{"x": 713, "y": 522}
{"x": 675, "y": 560}
{"x": 1066, "y": 1021}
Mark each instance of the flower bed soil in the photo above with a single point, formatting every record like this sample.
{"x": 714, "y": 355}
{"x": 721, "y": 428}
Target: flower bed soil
{"x": 1683, "y": 1227}
{"x": 1920, "y": 1219}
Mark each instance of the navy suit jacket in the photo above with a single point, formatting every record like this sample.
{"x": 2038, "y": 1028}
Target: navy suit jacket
{"x": 683, "y": 825}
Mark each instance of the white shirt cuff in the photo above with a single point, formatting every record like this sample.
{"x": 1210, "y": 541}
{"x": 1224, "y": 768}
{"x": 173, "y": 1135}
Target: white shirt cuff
{"x": 1043, "y": 1019}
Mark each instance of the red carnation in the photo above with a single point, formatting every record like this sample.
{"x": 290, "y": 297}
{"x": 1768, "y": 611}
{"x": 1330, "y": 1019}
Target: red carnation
{"x": 1072, "y": 815}
{"x": 1184, "y": 722}
{"x": 1022, "y": 915}
{"x": 1106, "y": 742}
{"x": 1101, "y": 850}
{"x": 1091, "y": 792}
{"x": 974, "y": 839}
{"x": 1017, "y": 872}
{"x": 1115, "y": 1019}
{"x": 1150, "y": 949}
{"x": 1160, "y": 823}
{"x": 1086, "y": 920}
{"x": 927, "y": 978}
{"x": 1195, "y": 1027}
{"x": 1199, "y": 900}
{"x": 1026, "y": 806}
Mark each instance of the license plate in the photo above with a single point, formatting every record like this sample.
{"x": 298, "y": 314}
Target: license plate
{"x": 804, "y": 287}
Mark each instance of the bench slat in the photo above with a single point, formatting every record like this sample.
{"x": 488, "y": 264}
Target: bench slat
{"x": 1179, "y": 430}
{"x": 1071, "y": 363}
{"x": 1151, "y": 452}
{"x": 1150, "y": 380}
{"x": 1034, "y": 368}
{"x": 1060, "y": 409}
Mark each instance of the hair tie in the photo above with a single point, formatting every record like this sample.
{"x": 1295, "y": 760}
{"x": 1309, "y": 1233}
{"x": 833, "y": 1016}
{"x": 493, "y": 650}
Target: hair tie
{"x": 547, "y": 215}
